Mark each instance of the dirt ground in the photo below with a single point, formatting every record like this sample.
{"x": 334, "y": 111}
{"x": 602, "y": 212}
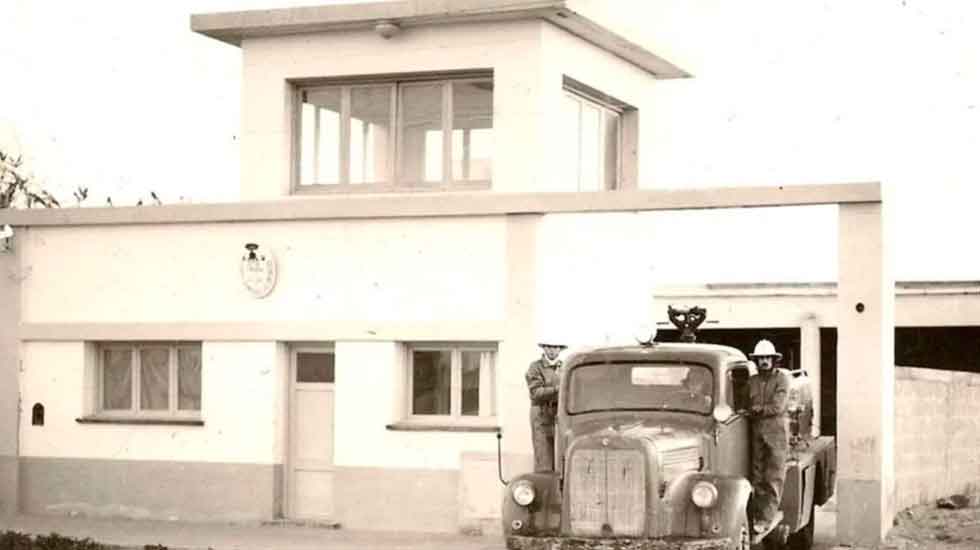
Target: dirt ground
{"x": 928, "y": 527}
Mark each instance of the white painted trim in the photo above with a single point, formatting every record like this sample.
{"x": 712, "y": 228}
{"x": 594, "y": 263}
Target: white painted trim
{"x": 451, "y": 204}
{"x": 234, "y": 27}
{"x": 291, "y": 331}
{"x": 776, "y": 290}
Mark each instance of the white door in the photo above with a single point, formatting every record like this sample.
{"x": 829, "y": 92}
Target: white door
{"x": 310, "y": 465}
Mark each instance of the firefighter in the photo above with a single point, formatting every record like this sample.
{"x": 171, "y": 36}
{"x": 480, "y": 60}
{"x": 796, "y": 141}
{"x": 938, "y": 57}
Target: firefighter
{"x": 768, "y": 391}
{"x": 542, "y": 385}
{"x": 697, "y": 383}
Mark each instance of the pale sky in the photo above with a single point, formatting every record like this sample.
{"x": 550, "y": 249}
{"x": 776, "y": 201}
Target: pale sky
{"x": 123, "y": 98}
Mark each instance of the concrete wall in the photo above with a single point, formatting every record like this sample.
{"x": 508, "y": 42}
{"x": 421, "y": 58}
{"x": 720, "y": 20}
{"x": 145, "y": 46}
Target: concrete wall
{"x": 403, "y": 275}
{"x": 371, "y": 393}
{"x": 178, "y": 472}
{"x": 387, "y": 270}
{"x": 187, "y": 491}
{"x": 10, "y": 275}
{"x": 239, "y": 405}
{"x": 937, "y": 434}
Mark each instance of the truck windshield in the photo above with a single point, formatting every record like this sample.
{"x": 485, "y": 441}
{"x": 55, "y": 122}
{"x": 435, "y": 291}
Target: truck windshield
{"x": 646, "y": 386}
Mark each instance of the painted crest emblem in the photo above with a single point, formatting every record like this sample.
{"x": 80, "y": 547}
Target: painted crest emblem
{"x": 258, "y": 270}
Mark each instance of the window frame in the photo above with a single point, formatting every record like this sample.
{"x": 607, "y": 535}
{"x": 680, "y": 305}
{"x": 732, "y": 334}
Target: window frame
{"x": 395, "y": 83}
{"x": 488, "y": 399}
{"x": 605, "y": 110}
{"x": 173, "y": 410}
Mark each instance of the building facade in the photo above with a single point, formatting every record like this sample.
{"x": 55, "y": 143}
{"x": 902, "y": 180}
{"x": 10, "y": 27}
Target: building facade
{"x": 425, "y": 186}
{"x": 346, "y": 343}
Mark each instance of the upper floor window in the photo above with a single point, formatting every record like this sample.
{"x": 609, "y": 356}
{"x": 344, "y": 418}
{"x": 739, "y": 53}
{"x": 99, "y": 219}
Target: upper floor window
{"x": 151, "y": 379}
{"x": 596, "y": 134}
{"x": 400, "y": 134}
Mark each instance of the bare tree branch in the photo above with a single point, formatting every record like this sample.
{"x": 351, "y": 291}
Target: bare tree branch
{"x": 15, "y": 185}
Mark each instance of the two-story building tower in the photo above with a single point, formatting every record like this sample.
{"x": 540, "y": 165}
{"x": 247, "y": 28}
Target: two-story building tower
{"x": 425, "y": 186}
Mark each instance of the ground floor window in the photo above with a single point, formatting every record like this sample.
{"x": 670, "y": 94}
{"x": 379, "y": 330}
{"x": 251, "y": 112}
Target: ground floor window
{"x": 451, "y": 382}
{"x": 149, "y": 379}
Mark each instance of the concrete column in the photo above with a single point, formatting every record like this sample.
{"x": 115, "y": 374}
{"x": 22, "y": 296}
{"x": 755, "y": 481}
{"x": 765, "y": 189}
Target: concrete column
{"x": 519, "y": 347}
{"x": 9, "y": 375}
{"x": 865, "y": 376}
{"x": 810, "y": 362}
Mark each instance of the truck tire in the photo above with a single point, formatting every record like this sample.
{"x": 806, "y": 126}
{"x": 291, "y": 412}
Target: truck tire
{"x": 803, "y": 539}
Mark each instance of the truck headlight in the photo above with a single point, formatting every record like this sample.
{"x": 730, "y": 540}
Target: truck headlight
{"x": 704, "y": 494}
{"x": 523, "y": 493}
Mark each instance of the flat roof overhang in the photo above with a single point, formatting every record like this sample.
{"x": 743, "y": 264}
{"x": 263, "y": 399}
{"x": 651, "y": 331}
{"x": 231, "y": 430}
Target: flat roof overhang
{"x": 450, "y": 204}
{"x": 234, "y": 27}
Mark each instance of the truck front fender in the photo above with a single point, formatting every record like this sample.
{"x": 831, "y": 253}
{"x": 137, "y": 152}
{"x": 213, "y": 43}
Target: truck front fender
{"x": 719, "y": 520}
{"x": 542, "y": 517}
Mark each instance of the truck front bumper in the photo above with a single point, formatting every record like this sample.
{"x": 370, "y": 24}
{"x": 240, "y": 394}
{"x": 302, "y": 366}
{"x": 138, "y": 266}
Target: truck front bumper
{"x": 516, "y": 542}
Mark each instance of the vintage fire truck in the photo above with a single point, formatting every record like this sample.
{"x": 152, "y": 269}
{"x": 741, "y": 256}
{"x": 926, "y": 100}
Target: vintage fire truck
{"x": 653, "y": 452}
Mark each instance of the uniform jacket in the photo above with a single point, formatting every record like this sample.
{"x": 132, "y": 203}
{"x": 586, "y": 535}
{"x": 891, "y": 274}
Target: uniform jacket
{"x": 769, "y": 393}
{"x": 542, "y": 387}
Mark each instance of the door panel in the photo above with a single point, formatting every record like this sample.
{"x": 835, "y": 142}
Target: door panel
{"x": 311, "y": 433}
{"x": 314, "y": 434}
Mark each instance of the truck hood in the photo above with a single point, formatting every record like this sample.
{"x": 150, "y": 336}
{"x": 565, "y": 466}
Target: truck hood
{"x": 663, "y": 427}
{"x": 663, "y": 437}
{"x": 674, "y": 443}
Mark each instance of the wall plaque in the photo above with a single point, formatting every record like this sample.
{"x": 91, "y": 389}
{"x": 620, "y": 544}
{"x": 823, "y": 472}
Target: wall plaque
{"x": 258, "y": 270}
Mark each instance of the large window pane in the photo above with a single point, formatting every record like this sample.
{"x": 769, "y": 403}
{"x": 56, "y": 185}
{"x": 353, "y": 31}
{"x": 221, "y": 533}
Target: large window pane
{"x": 117, "y": 379}
{"x": 591, "y": 145}
{"x": 431, "y": 376}
{"x": 569, "y": 135}
{"x": 189, "y": 379}
{"x": 472, "y": 130}
{"x": 470, "y": 382}
{"x": 421, "y": 134}
{"x": 610, "y": 137}
{"x": 320, "y": 137}
{"x": 591, "y": 152}
{"x": 154, "y": 379}
{"x": 314, "y": 367}
{"x": 370, "y": 124}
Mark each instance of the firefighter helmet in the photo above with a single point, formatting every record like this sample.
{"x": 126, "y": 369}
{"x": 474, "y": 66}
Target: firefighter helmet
{"x": 550, "y": 340}
{"x": 765, "y": 349}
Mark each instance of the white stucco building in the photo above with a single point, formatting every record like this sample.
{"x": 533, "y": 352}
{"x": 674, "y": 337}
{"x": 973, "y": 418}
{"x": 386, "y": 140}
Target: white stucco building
{"x": 436, "y": 182}
{"x": 398, "y": 182}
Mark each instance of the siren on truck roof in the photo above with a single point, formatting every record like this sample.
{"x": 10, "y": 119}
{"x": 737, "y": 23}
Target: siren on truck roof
{"x": 645, "y": 334}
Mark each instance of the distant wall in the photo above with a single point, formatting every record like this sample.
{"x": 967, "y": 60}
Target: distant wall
{"x": 937, "y": 434}
{"x": 10, "y": 277}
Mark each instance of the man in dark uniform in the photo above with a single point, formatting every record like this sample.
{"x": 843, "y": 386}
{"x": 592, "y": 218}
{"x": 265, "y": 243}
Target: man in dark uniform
{"x": 768, "y": 391}
{"x": 542, "y": 385}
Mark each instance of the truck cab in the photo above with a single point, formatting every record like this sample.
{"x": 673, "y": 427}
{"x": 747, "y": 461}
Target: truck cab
{"x": 652, "y": 450}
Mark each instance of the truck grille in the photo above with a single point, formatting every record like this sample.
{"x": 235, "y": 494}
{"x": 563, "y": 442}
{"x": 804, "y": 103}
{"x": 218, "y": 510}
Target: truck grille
{"x": 607, "y": 495}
